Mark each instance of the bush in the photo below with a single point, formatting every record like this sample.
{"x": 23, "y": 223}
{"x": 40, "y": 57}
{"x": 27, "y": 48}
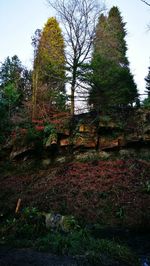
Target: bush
{"x": 29, "y": 230}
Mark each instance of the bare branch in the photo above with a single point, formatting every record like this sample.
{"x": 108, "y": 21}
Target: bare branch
{"x": 79, "y": 19}
{"x": 148, "y": 4}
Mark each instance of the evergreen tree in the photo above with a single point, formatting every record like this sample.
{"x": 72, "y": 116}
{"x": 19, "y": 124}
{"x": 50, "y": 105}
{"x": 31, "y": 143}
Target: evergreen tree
{"x": 13, "y": 74}
{"x": 110, "y": 37}
{"x": 117, "y": 34}
{"x": 111, "y": 80}
{"x": 111, "y": 84}
{"x": 10, "y": 71}
{"x": 147, "y": 79}
{"x": 49, "y": 65}
{"x": 15, "y": 89}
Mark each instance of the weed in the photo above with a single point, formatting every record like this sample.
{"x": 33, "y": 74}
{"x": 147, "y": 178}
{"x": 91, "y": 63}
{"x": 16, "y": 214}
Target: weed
{"x": 30, "y": 231}
{"x": 82, "y": 243}
{"x": 88, "y": 157}
{"x": 146, "y": 187}
{"x": 120, "y": 213}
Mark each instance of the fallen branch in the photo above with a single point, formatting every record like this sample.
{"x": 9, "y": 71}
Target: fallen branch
{"x": 18, "y": 205}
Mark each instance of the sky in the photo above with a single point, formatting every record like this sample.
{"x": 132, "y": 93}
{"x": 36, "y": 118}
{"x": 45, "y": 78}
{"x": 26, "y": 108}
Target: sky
{"x": 20, "y": 18}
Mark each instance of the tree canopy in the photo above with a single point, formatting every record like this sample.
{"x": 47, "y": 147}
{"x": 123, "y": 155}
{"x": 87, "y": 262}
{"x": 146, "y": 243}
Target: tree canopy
{"x": 111, "y": 80}
{"x": 147, "y": 79}
{"x": 14, "y": 75}
{"x": 15, "y": 90}
{"x": 49, "y": 64}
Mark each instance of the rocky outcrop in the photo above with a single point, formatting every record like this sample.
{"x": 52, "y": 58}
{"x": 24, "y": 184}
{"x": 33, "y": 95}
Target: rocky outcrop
{"x": 21, "y": 148}
{"x": 100, "y": 132}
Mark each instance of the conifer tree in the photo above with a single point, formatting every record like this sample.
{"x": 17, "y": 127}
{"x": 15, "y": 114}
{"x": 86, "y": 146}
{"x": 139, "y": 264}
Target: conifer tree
{"x": 117, "y": 34}
{"x": 49, "y": 65}
{"x": 147, "y": 79}
{"x": 15, "y": 91}
{"x": 14, "y": 75}
{"x": 112, "y": 82}
{"x": 110, "y": 37}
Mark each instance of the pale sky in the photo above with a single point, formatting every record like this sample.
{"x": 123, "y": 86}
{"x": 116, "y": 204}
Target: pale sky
{"x": 20, "y": 18}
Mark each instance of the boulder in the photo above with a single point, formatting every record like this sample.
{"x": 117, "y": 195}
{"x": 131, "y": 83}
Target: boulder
{"x": 57, "y": 222}
{"x": 85, "y": 140}
{"x": 46, "y": 162}
{"x": 64, "y": 142}
{"x": 19, "y": 151}
{"x": 104, "y": 155}
{"x": 130, "y": 153}
{"x": 86, "y": 156}
{"x": 87, "y": 128}
{"x": 109, "y": 143}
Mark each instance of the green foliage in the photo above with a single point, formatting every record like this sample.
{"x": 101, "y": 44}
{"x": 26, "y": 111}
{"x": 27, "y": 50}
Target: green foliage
{"x": 30, "y": 225}
{"x": 33, "y": 135}
{"x": 10, "y": 71}
{"x": 49, "y": 66}
{"x": 11, "y": 93}
{"x": 11, "y": 97}
{"x": 82, "y": 243}
{"x": 29, "y": 230}
{"x": 120, "y": 213}
{"x": 49, "y": 128}
{"x": 4, "y": 121}
{"x": 8, "y": 101}
{"x": 111, "y": 84}
{"x": 109, "y": 77}
{"x": 110, "y": 37}
{"x": 146, "y": 187}
{"x": 117, "y": 34}
{"x": 13, "y": 73}
{"x": 146, "y": 103}
{"x": 147, "y": 79}
{"x": 15, "y": 87}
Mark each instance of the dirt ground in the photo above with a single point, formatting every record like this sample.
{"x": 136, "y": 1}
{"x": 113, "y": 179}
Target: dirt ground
{"x": 110, "y": 192}
{"x": 27, "y": 257}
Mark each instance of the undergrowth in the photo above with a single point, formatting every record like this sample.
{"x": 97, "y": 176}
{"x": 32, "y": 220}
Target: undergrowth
{"x": 29, "y": 230}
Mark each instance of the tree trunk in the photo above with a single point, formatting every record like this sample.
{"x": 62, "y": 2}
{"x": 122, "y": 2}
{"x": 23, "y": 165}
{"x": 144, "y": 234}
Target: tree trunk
{"x": 72, "y": 101}
{"x": 34, "y": 97}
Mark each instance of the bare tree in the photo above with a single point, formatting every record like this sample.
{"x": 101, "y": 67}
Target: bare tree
{"x": 78, "y": 18}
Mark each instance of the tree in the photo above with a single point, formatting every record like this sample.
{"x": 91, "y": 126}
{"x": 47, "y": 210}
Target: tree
{"x": 118, "y": 33}
{"x": 79, "y": 18}
{"x": 13, "y": 73}
{"x": 110, "y": 37}
{"x": 15, "y": 91}
{"x": 35, "y": 43}
{"x": 147, "y": 79}
{"x": 111, "y": 80}
{"x": 111, "y": 84}
{"x": 49, "y": 64}
{"x": 8, "y": 103}
{"x": 11, "y": 97}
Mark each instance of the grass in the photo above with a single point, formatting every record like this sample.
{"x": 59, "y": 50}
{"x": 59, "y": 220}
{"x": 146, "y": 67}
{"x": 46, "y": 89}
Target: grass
{"x": 29, "y": 230}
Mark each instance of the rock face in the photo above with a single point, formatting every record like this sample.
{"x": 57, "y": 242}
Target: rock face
{"x": 20, "y": 148}
{"x": 114, "y": 131}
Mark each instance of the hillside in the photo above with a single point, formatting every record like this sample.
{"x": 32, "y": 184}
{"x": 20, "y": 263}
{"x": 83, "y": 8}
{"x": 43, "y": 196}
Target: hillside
{"x": 106, "y": 187}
